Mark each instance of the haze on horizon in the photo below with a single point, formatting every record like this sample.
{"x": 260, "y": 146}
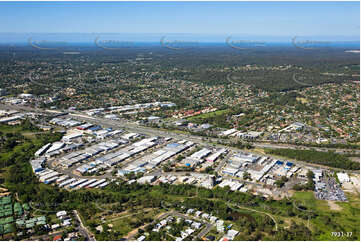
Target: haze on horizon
{"x": 207, "y": 20}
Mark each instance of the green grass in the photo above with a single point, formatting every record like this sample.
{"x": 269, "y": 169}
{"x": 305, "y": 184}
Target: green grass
{"x": 122, "y": 225}
{"x": 10, "y": 129}
{"x": 207, "y": 115}
{"x": 18, "y": 129}
{"x": 215, "y": 233}
{"x": 53, "y": 219}
{"x": 345, "y": 220}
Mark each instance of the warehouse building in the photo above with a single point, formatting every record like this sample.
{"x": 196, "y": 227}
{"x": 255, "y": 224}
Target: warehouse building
{"x": 343, "y": 177}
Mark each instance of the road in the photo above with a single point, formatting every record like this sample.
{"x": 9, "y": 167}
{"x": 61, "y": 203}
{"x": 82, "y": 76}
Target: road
{"x": 153, "y": 131}
{"x": 201, "y": 234}
{"x": 256, "y": 211}
{"x": 81, "y": 229}
{"x": 84, "y": 230}
{"x": 132, "y": 127}
{"x": 46, "y": 237}
{"x": 222, "y": 162}
{"x": 197, "y": 139}
{"x": 156, "y": 132}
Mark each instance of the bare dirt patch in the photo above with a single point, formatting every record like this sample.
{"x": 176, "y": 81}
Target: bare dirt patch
{"x": 356, "y": 182}
{"x": 349, "y": 187}
{"x": 287, "y": 223}
{"x": 302, "y": 100}
{"x": 355, "y": 159}
{"x": 353, "y": 186}
{"x": 334, "y": 206}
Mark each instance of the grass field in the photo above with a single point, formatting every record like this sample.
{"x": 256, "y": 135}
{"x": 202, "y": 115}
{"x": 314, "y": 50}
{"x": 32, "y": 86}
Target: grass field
{"x": 10, "y": 129}
{"x": 328, "y": 221}
{"x": 207, "y": 115}
{"x": 122, "y": 225}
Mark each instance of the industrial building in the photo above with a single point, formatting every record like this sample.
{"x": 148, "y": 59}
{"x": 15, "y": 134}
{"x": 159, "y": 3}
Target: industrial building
{"x": 152, "y": 160}
{"x": 42, "y": 150}
{"x": 228, "y": 132}
{"x": 343, "y": 177}
{"x": 213, "y": 157}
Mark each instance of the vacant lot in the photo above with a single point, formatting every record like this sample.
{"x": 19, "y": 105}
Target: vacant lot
{"x": 346, "y": 218}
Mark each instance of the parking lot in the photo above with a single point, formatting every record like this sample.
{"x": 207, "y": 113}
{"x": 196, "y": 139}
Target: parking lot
{"x": 329, "y": 189}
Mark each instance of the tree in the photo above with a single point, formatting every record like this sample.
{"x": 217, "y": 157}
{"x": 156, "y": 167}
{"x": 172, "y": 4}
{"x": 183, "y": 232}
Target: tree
{"x": 281, "y": 182}
{"x": 247, "y": 176}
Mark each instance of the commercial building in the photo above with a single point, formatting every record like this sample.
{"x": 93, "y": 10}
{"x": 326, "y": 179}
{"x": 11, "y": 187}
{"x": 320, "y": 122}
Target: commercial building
{"x": 343, "y": 177}
{"x": 157, "y": 157}
{"x": 37, "y": 164}
{"x": 10, "y": 119}
{"x": 228, "y": 132}
{"x": 76, "y": 183}
{"x": 213, "y": 157}
{"x": 66, "y": 182}
{"x": 65, "y": 122}
{"x": 95, "y": 184}
{"x": 68, "y": 138}
{"x": 250, "y": 135}
{"x": 42, "y": 150}
{"x": 146, "y": 179}
{"x": 55, "y": 146}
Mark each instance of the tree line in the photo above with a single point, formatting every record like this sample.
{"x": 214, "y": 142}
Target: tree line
{"x": 317, "y": 157}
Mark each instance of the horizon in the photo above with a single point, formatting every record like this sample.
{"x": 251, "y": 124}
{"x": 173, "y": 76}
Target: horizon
{"x": 74, "y": 38}
{"x": 209, "y": 18}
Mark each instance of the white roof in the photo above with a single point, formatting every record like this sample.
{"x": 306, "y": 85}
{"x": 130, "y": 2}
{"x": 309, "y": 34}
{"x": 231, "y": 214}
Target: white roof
{"x": 228, "y": 132}
{"x": 61, "y": 213}
{"x": 343, "y": 177}
{"x": 141, "y": 238}
{"x": 232, "y": 232}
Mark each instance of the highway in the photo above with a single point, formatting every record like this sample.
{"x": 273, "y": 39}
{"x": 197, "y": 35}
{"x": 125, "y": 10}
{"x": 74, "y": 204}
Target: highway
{"x": 132, "y": 127}
{"x": 197, "y": 139}
{"x": 157, "y": 132}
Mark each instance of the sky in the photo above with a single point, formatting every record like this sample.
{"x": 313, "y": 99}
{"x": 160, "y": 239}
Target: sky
{"x": 249, "y": 18}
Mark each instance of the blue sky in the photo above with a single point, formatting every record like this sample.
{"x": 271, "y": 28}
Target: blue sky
{"x": 251, "y": 18}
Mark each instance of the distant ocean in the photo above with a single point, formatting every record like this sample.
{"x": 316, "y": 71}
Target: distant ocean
{"x": 155, "y": 39}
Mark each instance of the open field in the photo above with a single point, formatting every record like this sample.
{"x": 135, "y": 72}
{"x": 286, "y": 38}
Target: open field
{"x": 330, "y": 220}
{"x": 207, "y": 115}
